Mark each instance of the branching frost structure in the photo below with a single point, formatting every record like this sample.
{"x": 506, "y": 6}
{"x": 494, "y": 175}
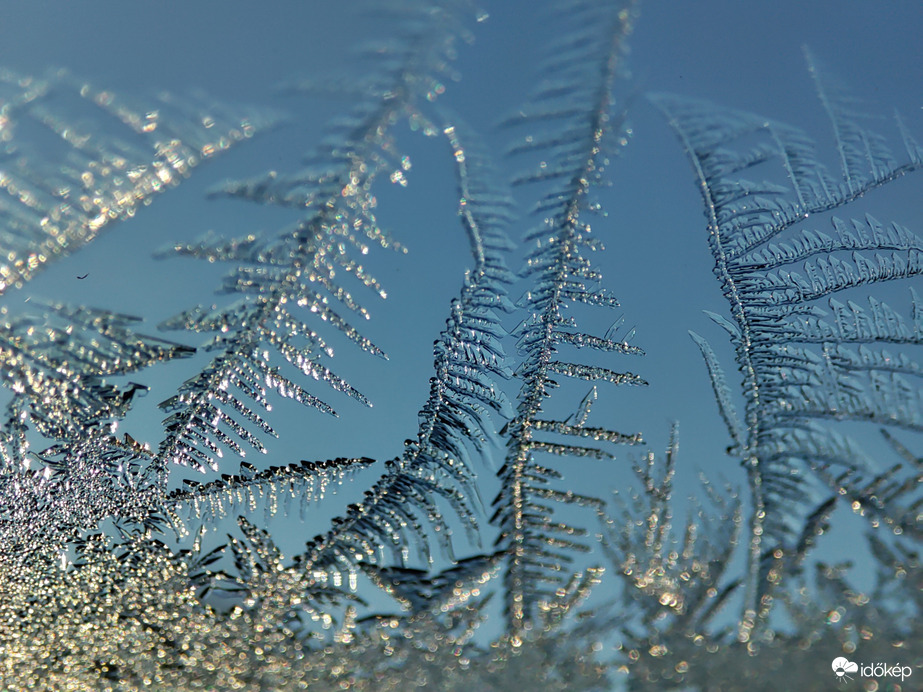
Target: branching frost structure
{"x": 559, "y": 273}
{"x": 63, "y": 363}
{"x": 810, "y": 351}
{"x": 108, "y": 166}
{"x": 91, "y": 594}
{"x": 288, "y": 279}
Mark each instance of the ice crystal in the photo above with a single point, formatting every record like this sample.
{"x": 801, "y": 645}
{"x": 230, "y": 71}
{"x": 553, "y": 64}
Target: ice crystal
{"x": 100, "y": 175}
{"x": 111, "y": 576}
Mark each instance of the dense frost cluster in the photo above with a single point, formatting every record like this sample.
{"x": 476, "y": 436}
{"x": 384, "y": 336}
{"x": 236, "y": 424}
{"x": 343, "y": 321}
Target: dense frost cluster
{"x": 105, "y": 579}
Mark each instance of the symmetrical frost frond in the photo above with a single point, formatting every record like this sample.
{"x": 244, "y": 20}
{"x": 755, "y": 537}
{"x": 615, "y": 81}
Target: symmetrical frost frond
{"x": 304, "y": 482}
{"x": 290, "y": 283}
{"x": 578, "y": 100}
{"x": 436, "y": 468}
{"x": 811, "y": 349}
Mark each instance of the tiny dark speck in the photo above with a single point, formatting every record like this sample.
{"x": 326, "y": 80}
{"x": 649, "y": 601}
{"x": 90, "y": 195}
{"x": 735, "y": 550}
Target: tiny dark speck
{"x": 84, "y": 276}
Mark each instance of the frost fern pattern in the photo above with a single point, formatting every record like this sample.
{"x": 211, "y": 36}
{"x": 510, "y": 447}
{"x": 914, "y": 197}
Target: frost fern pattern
{"x": 105, "y": 549}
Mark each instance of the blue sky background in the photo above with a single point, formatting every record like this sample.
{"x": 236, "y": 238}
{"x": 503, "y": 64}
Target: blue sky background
{"x": 745, "y": 55}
